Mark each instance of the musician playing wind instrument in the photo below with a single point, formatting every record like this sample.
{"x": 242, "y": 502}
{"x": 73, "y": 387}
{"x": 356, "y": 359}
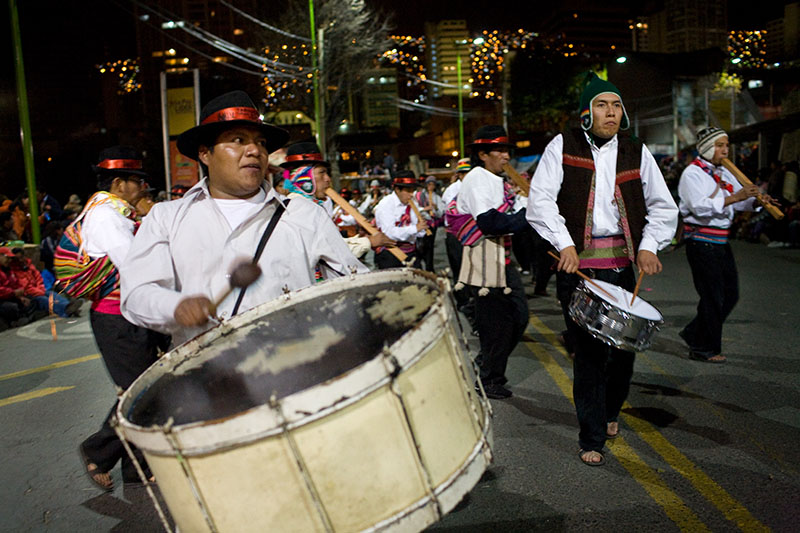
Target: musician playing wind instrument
{"x": 601, "y": 200}
{"x": 710, "y": 196}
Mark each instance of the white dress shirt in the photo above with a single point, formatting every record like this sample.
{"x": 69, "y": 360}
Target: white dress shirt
{"x": 106, "y": 231}
{"x": 186, "y": 248}
{"x": 388, "y": 212}
{"x": 451, "y": 192}
{"x": 543, "y": 214}
{"x": 481, "y": 191}
{"x": 702, "y": 201}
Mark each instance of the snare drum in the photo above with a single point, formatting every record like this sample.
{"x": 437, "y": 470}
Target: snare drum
{"x": 346, "y": 406}
{"x": 619, "y": 324}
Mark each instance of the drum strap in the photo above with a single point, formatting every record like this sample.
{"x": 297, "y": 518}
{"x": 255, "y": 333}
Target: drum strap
{"x": 261, "y": 244}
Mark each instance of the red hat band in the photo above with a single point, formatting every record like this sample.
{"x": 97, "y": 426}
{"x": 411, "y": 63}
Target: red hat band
{"x": 305, "y": 157}
{"x": 405, "y": 181}
{"x": 498, "y": 140}
{"x": 233, "y": 113}
{"x": 120, "y": 163}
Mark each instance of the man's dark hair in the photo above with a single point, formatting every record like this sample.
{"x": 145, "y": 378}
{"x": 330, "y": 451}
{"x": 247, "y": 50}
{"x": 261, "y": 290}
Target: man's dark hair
{"x": 474, "y": 160}
{"x": 4, "y": 216}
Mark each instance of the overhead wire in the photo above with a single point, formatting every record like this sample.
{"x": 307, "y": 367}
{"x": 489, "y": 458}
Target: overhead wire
{"x": 262, "y": 23}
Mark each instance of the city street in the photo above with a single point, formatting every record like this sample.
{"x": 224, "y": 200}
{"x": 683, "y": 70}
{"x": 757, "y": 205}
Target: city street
{"x": 702, "y": 447}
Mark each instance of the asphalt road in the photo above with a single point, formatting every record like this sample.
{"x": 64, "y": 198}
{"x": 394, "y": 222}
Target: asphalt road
{"x": 703, "y": 447}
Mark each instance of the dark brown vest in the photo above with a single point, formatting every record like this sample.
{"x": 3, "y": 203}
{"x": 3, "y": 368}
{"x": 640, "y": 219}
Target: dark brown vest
{"x": 573, "y": 199}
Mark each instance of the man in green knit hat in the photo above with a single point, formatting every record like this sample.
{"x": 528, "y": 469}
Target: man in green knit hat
{"x": 601, "y": 201}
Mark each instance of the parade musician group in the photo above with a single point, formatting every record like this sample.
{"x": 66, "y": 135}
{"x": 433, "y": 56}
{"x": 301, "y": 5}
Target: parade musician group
{"x": 597, "y": 196}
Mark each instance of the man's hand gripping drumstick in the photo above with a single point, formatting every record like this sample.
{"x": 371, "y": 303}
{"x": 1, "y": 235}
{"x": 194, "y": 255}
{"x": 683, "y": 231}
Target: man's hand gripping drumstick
{"x": 568, "y": 262}
{"x": 197, "y": 310}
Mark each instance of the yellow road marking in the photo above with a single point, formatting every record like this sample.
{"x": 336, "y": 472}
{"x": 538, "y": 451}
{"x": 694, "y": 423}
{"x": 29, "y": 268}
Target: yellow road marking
{"x": 50, "y": 367}
{"x": 707, "y": 487}
{"x": 651, "y": 482}
{"x": 32, "y": 395}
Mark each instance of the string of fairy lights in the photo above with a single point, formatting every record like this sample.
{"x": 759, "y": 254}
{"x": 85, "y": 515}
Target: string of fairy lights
{"x": 747, "y": 49}
{"x": 125, "y": 71}
{"x": 286, "y": 71}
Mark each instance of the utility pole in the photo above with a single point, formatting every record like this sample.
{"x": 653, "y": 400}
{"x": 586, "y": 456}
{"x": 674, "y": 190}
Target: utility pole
{"x": 460, "y": 109}
{"x": 318, "y": 118}
{"x": 25, "y": 124}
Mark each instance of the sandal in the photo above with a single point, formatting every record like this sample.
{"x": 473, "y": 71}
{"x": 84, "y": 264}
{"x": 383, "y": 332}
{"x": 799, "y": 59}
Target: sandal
{"x": 610, "y": 435}
{"x": 96, "y": 475}
{"x": 583, "y": 455}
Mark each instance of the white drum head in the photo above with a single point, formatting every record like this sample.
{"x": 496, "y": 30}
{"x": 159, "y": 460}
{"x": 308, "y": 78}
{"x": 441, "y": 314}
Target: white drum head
{"x": 639, "y": 308}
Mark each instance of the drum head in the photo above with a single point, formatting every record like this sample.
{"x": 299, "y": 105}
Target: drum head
{"x": 639, "y": 308}
{"x": 282, "y": 352}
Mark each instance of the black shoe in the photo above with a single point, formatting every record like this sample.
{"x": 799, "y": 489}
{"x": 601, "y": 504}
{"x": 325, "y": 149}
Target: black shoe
{"x": 18, "y": 323}
{"x": 73, "y": 308}
{"x": 496, "y": 391}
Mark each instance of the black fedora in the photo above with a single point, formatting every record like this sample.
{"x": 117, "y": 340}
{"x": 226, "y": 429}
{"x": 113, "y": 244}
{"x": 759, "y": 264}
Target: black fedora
{"x": 404, "y": 178}
{"x": 119, "y": 161}
{"x": 489, "y": 138}
{"x": 304, "y": 154}
{"x": 225, "y": 112}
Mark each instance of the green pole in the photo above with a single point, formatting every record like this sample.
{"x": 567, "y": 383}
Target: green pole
{"x": 315, "y": 68}
{"x": 460, "y": 110}
{"x": 25, "y": 123}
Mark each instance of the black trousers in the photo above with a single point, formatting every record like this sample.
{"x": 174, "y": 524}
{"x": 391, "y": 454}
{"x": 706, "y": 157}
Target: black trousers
{"x": 602, "y": 374}
{"x": 425, "y": 250}
{"x": 127, "y": 351}
{"x": 501, "y": 320}
{"x": 717, "y": 283}
{"x": 386, "y": 259}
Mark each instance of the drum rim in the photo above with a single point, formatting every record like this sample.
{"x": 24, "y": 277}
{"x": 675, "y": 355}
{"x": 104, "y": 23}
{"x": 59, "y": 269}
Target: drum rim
{"x": 178, "y": 355}
{"x": 586, "y": 286}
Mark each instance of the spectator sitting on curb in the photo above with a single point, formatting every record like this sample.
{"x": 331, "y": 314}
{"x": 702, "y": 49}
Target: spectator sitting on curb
{"x": 32, "y": 284}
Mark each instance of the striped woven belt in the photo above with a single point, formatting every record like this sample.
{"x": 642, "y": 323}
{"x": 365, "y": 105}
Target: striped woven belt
{"x": 604, "y": 253}
{"x": 706, "y": 234}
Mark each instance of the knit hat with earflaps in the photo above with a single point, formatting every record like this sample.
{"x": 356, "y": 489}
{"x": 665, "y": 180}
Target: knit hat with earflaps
{"x": 706, "y": 137}
{"x": 595, "y": 87}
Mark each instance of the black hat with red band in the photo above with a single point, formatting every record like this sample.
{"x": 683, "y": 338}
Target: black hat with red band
{"x": 230, "y": 110}
{"x": 119, "y": 161}
{"x": 304, "y": 154}
{"x": 404, "y": 178}
{"x": 489, "y": 138}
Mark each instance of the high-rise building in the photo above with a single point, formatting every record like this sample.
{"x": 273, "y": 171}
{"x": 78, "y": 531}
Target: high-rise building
{"x": 447, "y": 40}
{"x": 686, "y": 26}
{"x": 380, "y": 98}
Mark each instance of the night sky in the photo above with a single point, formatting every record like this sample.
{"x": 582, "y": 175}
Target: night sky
{"x": 63, "y": 41}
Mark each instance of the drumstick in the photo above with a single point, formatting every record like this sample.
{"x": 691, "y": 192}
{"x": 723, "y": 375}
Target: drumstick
{"x": 419, "y": 216}
{"x": 353, "y": 212}
{"x": 242, "y": 275}
{"x": 522, "y": 183}
{"x": 638, "y": 284}
{"x": 586, "y": 278}
{"x": 739, "y": 175}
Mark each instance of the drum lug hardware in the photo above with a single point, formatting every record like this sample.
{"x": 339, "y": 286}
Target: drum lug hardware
{"x": 389, "y": 359}
{"x": 286, "y": 292}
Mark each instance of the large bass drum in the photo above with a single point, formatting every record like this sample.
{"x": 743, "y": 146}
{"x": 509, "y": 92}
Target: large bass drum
{"x": 348, "y": 406}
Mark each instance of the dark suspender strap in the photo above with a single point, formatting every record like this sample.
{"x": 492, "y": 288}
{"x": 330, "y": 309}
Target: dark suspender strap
{"x": 261, "y": 245}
